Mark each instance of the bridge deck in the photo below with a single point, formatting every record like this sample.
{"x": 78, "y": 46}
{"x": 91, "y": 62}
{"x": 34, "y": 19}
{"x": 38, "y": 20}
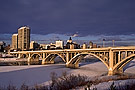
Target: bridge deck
{"x": 6, "y": 60}
{"x": 79, "y": 50}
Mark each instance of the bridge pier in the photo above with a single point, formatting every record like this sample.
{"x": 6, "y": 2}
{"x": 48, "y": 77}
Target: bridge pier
{"x": 47, "y": 62}
{"x": 120, "y": 71}
{"x": 111, "y": 63}
{"x": 19, "y": 56}
{"x": 115, "y": 72}
{"x": 29, "y": 60}
{"x": 72, "y": 65}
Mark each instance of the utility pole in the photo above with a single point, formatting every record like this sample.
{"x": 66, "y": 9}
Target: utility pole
{"x": 113, "y": 42}
{"x": 103, "y": 42}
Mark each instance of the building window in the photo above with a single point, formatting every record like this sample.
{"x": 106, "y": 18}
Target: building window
{"x": 24, "y": 30}
{"x": 25, "y": 45}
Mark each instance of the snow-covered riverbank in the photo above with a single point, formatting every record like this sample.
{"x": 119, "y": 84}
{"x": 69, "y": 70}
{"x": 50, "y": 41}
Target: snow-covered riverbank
{"x": 36, "y": 74}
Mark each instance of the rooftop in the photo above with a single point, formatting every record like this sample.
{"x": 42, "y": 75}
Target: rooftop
{"x": 24, "y": 27}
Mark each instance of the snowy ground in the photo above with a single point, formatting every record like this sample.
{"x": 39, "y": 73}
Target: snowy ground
{"x": 36, "y": 74}
{"x": 106, "y": 85}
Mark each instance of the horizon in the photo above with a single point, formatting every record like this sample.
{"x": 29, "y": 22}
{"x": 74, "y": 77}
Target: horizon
{"x": 120, "y": 40}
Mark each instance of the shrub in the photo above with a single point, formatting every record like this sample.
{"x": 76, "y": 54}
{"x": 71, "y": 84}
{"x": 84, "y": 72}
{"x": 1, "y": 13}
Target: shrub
{"x": 66, "y": 82}
{"x": 11, "y": 87}
{"x": 24, "y": 87}
{"x": 112, "y": 87}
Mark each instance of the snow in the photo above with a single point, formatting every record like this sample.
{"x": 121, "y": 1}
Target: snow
{"x": 106, "y": 85}
{"x": 37, "y": 74}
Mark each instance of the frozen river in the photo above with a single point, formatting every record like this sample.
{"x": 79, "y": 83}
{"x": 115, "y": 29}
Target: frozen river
{"x": 36, "y": 74}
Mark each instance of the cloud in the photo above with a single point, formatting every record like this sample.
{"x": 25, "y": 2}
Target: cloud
{"x": 110, "y": 38}
{"x": 123, "y": 40}
{"x": 4, "y": 37}
{"x": 89, "y": 17}
{"x": 75, "y": 35}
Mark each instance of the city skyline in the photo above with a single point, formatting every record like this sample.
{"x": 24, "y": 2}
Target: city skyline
{"x": 51, "y": 38}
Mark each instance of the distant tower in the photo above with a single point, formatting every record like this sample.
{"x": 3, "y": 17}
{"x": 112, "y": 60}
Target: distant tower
{"x": 24, "y": 38}
{"x": 70, "y": 40}
{"x": 15, "y": 41}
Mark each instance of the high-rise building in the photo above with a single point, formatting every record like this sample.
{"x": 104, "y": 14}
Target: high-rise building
{"x": 15, "y": 41}
{"x": 24, "y": 38}
{"x": 59, "y": 44}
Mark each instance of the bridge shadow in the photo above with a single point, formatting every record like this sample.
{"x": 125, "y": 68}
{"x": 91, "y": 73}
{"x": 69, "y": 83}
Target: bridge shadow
{"x": 58, "y": 60}
{"x": 129, "y": 65}
{"x": 88, "y": 61}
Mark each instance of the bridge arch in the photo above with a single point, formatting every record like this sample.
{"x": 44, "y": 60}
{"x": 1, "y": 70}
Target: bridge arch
{"x": 36, "y": 54}
{"x": 24, "y": 56}
{"x": 124, "y": 62}
{"x": 50, "y": 58}
{"x": 74, "y": 60}
{"x": 34, "y": 58}
{"x": 62, "y": 57}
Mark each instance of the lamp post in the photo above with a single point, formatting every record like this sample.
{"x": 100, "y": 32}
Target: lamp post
{"x": 113, "y": 42}
{"x": 4, "y": 54}
{"x": 103, "y": 42}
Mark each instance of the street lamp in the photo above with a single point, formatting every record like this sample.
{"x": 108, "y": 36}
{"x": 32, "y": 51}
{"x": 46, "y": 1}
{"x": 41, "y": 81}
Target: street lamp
{"x": 103, "y": 42}
{"x": 113, "y": 42}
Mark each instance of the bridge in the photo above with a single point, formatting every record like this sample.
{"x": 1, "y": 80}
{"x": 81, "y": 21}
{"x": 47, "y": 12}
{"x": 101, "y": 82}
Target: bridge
{"x": 114, "y": 58}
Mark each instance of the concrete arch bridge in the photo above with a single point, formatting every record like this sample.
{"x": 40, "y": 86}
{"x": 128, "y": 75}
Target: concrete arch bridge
{"x": 114, "y": 58}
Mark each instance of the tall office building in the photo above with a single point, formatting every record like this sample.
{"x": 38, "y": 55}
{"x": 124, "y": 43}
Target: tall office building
{"x": 15, "y": 41}
{"x": 24, "y": 38}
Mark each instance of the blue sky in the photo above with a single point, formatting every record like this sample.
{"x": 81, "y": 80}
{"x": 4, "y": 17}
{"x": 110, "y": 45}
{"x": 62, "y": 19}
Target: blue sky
{"x": 89, "y": 19}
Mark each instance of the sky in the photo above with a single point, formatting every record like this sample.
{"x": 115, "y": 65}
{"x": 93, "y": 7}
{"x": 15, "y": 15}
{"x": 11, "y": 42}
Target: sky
{"x": 82, "y": 18}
